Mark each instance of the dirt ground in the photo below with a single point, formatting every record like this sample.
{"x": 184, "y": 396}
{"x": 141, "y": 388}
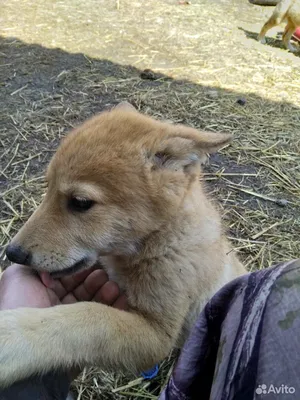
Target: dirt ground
{"x": 62, "y": 61}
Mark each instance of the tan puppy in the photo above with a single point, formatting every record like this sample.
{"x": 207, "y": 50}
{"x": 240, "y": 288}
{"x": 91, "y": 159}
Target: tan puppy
{"x": 125, "y": 189}
{"x": 285, "y": 11}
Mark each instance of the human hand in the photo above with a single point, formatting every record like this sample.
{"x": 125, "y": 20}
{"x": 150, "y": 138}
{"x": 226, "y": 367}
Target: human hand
{"x": 22, "y": 287}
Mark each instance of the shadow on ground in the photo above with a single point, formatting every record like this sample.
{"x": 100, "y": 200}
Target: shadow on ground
{"x": 45, "y": 92}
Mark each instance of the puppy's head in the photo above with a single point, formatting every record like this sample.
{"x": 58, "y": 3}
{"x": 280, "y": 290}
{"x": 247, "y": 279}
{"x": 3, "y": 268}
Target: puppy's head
{"x": 113, "y": 181}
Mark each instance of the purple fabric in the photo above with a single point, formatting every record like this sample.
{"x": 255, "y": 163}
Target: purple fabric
{"x": 230, "y": 354}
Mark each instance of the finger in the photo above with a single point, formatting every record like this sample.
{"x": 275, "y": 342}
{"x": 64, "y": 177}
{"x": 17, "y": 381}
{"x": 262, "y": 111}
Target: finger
{"x": 121, "y": 303}
{"x": 108, "y": 294}
{"x": 72, "y": 281}
{"x": 86, "y": 290}
{"x": 69, "y": 299}
{"x": 54, "y": 284}
{"x": 93, "y": 283}
{"x": 59, "y": 289}
{"x": 64, "y": 286}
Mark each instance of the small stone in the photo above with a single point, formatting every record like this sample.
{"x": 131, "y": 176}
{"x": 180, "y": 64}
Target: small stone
{"x": 282, "y": 202}
{"x": 241, "y": 101}
{"x": 150, "y": 75}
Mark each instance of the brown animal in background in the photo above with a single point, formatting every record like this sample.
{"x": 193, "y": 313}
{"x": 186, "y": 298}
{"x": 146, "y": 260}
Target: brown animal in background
{"x": 124, "y": 189}
{"x": 286, "y": 11}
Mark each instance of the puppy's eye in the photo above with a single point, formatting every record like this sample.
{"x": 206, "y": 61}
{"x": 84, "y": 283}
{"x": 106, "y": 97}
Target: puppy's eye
{"x": 80, "y": 204}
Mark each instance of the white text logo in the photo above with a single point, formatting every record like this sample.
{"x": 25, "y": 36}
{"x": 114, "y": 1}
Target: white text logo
{"x": 283, "y": 389}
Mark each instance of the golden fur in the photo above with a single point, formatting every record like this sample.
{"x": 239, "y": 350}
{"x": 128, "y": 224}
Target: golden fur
{"x": 286, "y": 11}
{"x": 152, "y": 227}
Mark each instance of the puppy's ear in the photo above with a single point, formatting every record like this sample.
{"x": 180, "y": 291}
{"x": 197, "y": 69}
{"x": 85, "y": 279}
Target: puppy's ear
{"x": 125, "y": 106}
{"x": 185, "y": 147}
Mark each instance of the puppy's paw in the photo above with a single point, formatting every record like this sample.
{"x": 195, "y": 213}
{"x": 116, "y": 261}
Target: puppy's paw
{"x": 292, "y": 49}
{"x": 262, "y": 40}
{"x": 18, "y": 354}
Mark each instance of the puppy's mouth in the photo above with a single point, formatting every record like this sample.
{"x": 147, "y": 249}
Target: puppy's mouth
{"x": 78, "y": 266}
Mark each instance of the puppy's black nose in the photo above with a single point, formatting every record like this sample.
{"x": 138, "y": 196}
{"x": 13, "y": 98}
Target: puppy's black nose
{"x": 18, "y": 255}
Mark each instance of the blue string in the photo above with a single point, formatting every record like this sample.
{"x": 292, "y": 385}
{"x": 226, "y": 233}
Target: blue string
{"x": 151, "y": 373}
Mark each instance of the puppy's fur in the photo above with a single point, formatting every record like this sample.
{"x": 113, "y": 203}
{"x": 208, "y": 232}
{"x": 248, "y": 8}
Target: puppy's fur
{"x": 286, "y": 11}
{"x": 153, "y": 229}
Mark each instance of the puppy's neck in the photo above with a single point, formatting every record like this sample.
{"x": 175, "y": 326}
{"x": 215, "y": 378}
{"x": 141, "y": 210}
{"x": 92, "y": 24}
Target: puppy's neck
{"x": 196, "y": 224}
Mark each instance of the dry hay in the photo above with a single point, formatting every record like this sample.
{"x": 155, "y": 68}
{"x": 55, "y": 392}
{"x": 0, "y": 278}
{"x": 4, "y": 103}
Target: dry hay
{"x": 253, "y": 94}
{"x": 256, "y": 180}
{"x": 93, "y": 384}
